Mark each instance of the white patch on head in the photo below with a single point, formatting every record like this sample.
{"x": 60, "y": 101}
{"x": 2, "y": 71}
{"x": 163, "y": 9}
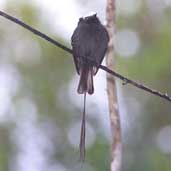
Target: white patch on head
{"x": 90, "y": 14}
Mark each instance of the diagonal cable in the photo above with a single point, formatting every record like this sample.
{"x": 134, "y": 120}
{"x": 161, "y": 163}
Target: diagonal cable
{"x": 56, "y": 43}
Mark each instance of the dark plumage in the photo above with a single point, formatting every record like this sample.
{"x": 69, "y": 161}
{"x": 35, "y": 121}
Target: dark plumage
{"x": 89, "y": 42}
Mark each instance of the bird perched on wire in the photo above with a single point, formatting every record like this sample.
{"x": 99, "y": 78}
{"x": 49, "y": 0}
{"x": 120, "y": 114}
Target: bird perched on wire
{"x": 89, "y": 42}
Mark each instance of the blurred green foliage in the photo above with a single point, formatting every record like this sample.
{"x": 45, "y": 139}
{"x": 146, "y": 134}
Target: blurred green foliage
{"x": 44, "y": 80}
{"x": 150, "y": 66}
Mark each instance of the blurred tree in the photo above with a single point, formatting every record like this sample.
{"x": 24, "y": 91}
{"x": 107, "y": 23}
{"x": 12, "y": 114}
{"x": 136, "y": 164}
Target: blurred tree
{"x": 36, "y": 112}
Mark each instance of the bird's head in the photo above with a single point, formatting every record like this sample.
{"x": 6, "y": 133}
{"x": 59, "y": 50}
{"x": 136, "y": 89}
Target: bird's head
{"x": 90, "y": 18}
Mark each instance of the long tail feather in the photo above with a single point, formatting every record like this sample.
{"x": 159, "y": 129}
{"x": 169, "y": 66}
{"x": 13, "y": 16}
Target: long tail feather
{"x": 83, "y": 133}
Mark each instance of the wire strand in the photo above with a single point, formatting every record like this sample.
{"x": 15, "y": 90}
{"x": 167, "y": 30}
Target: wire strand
{"x": 56, "y": 43}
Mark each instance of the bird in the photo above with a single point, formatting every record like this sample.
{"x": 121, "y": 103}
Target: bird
{"x": 89, "y": 43}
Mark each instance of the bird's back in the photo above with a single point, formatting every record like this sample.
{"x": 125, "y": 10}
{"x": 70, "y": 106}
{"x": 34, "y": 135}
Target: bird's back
{"x": 90, "y": 41}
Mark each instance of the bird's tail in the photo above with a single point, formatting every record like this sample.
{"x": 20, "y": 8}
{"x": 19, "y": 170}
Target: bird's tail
{"x": 86, "y": 80}
{"x": 83, "y": 131}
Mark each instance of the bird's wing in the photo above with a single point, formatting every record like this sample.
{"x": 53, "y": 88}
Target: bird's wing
{"x": 80, "y": 44}
{"x": 100, "y": 46}
{"x": 75, "y": 46}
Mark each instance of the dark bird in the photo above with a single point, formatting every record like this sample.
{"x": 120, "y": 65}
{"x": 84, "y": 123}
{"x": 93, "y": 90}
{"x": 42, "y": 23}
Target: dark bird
{"x": 89, "y": 42}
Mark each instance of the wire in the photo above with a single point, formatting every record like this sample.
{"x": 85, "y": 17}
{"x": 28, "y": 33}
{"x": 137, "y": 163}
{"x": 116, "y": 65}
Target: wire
{"x": 56, "y": 43}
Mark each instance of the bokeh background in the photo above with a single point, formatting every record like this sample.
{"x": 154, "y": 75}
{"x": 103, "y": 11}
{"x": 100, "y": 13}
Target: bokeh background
{"x": 40, "y": 111}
